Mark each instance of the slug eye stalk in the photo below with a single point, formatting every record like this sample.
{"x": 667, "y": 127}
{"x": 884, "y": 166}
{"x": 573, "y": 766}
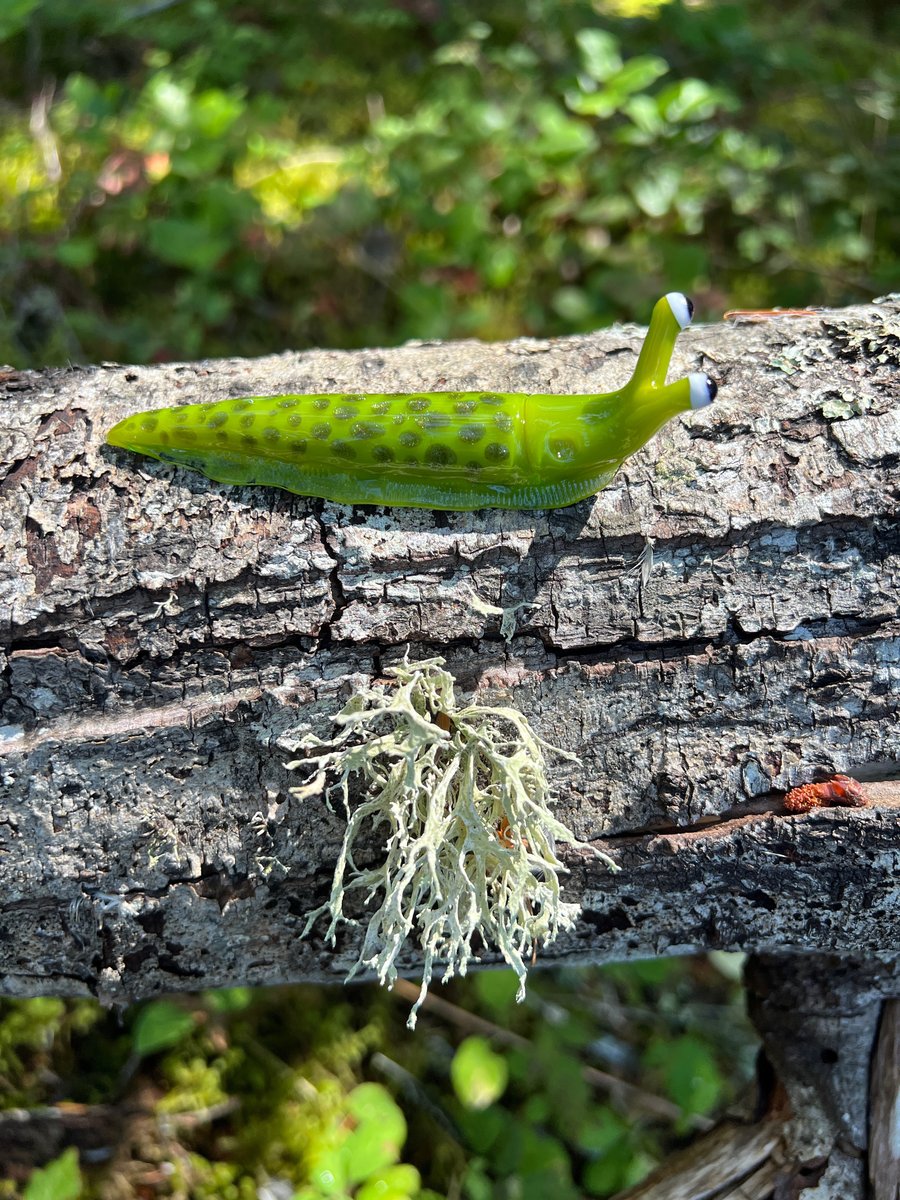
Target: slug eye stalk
{"x": 671, "y": 314}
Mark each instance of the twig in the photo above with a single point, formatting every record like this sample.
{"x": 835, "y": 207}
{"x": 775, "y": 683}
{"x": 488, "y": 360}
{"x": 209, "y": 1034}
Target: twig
{"x": 656, "y": 1106}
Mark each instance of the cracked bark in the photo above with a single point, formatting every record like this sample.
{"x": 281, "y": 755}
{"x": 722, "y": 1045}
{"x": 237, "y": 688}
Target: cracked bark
{"x": 161, "y": 633}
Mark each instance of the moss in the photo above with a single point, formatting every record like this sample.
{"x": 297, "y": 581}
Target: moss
{"x": 470, "y": 847}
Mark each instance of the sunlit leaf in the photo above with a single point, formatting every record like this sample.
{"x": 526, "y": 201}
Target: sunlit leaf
{"x": 479, "y": 1075}
{"x": 379, "y": 1135}
{"x": 160, "y": 1025}
{"x": 59, "y": 1180}
{"x": 599, "y": 53}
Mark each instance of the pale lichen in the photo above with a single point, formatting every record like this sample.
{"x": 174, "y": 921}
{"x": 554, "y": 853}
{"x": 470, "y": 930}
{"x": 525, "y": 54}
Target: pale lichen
{"x": 470, "y": 847}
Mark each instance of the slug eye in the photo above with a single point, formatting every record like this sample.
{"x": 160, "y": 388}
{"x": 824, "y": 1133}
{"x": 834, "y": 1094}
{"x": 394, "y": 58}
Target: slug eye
{"x": 703, "y": 390}
{"x": 682, "y": 308}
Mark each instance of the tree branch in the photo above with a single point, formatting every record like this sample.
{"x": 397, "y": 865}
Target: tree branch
{"x": 162, "y": 633}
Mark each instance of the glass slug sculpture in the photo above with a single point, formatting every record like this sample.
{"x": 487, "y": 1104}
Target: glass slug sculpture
{"x": 439, "y": 450}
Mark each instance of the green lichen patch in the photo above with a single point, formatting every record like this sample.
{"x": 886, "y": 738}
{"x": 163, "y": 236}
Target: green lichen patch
{"x": 470, "y": 838}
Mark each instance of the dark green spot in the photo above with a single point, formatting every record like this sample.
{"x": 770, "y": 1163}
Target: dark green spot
{"x": 149, "y": 424}
{"x": 466, "y": 406}
{"x": 271, "y": 434}
{"x": 221, "y": 435}
{"x": 298, "y": 446}
{"x": 239, "y": 405}
{"x": 322, "y": 402}
{"x": 411, "y": 461}
{"x": 248, "y": 440}
{"x": 164, "y": 438}
{"x": 474, "y": 466}
{"x": 562, "y": 449}
{"x": 322, "y": 431}
{"x": 439, "y": 456}
{"x": 343, "y": 449}
{"x": 187, "y": 435}
{"x": 382, "y": 407}
{"x": 492, "y": 398}
{"x": 295, "y": 420}
{"x": 496, "y": 452}
{"x": 471, "y": 433}
{"x": 343, "y": 413}
{"x": 353, "y": 397}
{"x": 181, "y": 414}
{"x": 246, "y": 422}
{"x": 219, "y": 419}
{"x": 409, "y": 439}
{"x": 399, "y": 419}
{"x": 419, "y": 404}
{"x": 382, "y": 454}
{"x": 289, "y": 403}
{"x": 503, "y": 422}
{"x": 367, "y": 429}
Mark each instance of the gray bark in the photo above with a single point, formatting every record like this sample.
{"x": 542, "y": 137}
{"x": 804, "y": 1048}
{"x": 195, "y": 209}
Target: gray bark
{"x": 162, "y": 633}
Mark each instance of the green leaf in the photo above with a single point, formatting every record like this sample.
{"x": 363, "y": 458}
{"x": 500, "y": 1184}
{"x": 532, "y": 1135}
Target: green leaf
{"x": 229, "y": 1000}
{"x": 160, "y": 1025}
{"x": 637, "y": 74}
{"x": 691, "y": 1076}
{"x": 497, "y": 991}
{"x": 479, "y": 1075}
{"x": 656, "y": 190}
{"x": 395, "y": 1183}
{"x": 560, "y": 136}
{"x": 600, "y": 56}
{"x": 602, "y": 1130}
{"x": 691, "y": 100}
{"x": 59, "y": 1180}
{"x": 484, "y": 1130}
{"x": 379, "y": 1135}
{"x": 328, "y": 1172}
{"x": 14, "y": 16}
{"x": 215, "y": 111}
{"x": 77, "y": 252}
{"x": 186, "y": 244}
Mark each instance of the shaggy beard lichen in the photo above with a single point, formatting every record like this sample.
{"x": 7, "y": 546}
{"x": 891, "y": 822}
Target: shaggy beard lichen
{"x": 471, "y": 850}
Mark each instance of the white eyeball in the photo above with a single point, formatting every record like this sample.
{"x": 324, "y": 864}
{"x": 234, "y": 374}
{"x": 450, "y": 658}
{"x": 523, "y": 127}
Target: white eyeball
{"x": 703, "y": 390}
{"x": 682, "y": 308}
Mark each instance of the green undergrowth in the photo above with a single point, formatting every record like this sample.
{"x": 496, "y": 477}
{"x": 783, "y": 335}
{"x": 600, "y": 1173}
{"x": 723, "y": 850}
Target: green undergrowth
{"x": 308, "y": 1092}
{"x": 181, "y": 180}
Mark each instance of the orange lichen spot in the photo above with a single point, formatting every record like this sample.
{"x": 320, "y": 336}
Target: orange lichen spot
{"x": 839, "y": 790}
{"x": 504, "y": 834}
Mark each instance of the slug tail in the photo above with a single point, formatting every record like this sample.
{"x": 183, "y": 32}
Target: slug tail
{"x": 119, "y": 434}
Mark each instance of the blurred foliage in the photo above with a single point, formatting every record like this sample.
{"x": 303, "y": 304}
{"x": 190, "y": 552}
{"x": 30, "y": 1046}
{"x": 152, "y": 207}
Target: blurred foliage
{"x": 201, "y": 177}
{"x": 309, "y": 1093}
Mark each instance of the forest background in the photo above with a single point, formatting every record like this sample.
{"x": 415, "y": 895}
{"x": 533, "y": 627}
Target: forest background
{"x": 188, "y": 178}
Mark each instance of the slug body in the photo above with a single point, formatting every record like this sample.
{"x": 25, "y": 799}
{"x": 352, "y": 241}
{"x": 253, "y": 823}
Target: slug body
{"x": 439, "y": 450}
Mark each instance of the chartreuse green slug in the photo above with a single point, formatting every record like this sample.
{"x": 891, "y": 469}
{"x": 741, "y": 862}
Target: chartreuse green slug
{"x": 451, "y": 450}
